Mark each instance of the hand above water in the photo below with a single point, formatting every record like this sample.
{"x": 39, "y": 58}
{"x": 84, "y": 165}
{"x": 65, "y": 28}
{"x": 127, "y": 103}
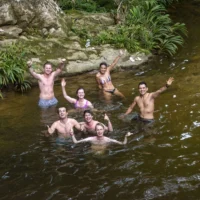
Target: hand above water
{"x": 63, "y": 82}
{"x": 169, "y": 81}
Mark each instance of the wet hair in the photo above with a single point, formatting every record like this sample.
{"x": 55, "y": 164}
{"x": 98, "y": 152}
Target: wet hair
{"x": 61, "y": 107}
{"x": 47, "y": 63}
{"x": 142, "y": 83}
{"x": 99, "y": 124}
{"x": 87, "y": 111}
{"x": 80, "y": 88}
{"x": 103, "y": 63}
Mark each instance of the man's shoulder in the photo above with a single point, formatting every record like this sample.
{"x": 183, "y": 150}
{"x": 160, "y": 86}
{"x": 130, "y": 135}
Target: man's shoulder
{"x": 56, "y": 122}
{"x": 72, "y": 120}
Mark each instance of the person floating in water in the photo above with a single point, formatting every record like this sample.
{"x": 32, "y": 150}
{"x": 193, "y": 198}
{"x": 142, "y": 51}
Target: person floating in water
{"x": 103, "y": 78}
{"x": 145, "y": 101}
{"x": 64, "y": 125}
{"x": 90, "y": 124}
{"x": 100, "y": 139}
{"x": 81, "y": 102}
{"x": 46, "y": 82}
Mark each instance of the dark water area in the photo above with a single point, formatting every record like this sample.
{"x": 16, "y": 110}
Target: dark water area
{"x": 159, "y": 162}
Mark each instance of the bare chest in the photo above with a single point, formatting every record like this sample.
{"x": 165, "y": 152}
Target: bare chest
{"x": 46, "y": 81}
{"x": 144, "y": 101}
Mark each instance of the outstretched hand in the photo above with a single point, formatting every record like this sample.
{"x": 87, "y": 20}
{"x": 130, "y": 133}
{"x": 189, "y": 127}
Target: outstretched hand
{"x": 71, "y": 132}
{"x": 129, "y": 134}
{"x": 121, "y": 53}
{"x": 63, "y": 82}
{"x": 169, "y": 81}
{"x": 106, "y": 117}
{"x": 63, "y": 60}
{"x": 29, "y": 63}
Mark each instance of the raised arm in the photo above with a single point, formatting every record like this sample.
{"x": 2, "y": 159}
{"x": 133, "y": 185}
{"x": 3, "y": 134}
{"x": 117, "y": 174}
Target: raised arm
{"x": 110, "y": 127}
{"x": 77, "y": 125}
{"x": 79, "y": 141}
{"x": 125, "y": 139}
{"x": 162, "y": 89}
{"x": 32, "y": 72}
{"x": 52, "y": 129}
{"x": 115, "y": 60}
{"x": 68, "y": 98}
{"x": 131, "y": 107}
{"x": 60, "y": 67}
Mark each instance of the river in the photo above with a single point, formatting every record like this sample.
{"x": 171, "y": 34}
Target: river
{"x": 159, "y": 161}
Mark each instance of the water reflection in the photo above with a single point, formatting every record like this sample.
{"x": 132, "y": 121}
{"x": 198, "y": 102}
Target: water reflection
{"x": 159, "y": 162}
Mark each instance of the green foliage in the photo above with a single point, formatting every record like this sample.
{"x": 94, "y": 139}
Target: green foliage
{"x": 122, "y": 37}
{"x": 155, "y": 29}
{"x": 85, "y": 5}
{"x": 147, "y": 26}
{"x": 13, "y": 67}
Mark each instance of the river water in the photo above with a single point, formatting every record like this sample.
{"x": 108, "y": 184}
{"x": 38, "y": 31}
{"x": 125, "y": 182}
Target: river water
{"x": 159, "y": 161}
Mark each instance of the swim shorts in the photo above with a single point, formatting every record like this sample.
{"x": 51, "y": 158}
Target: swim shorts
{"x": 45, "y": 103}
{"x": 137, "y": 117}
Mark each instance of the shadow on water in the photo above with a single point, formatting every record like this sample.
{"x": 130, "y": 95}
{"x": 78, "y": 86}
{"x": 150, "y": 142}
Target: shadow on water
{"x": 160, "y": 161}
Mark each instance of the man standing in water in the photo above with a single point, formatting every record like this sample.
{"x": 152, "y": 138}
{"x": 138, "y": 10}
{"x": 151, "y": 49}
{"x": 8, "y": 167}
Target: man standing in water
{"x": 145, "y": 101}
{"x": 64, "y": 125}
{"x": 90, "y": 124}
{"x": 100, "y": 139}
{"x": 46, "y": 83}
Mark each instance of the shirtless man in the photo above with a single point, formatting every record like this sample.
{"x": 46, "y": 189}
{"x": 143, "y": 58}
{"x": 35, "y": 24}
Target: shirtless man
{"x": 100, "y": 139}
{"x": 64, "y": 125}
{"x": 103, "y": 78}
{"x": 90, "y": 124}
{"x": 145, "y": 101}
{"x": 46, "y": 83}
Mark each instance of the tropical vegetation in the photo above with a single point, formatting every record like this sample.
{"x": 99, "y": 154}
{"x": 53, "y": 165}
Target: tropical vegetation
{"x": 141, "y": 25}
{"x": 13, "y": 68}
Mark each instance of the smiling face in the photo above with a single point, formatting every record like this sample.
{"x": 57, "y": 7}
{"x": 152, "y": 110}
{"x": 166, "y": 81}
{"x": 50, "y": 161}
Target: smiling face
{"x": 99, "y": 130}
{"x": 88, "y": 117}
{"x": 142, "y": 89}
{"x": 103, "y": 69}
{"x": 62, "y": 113}
{"x": 81, "y": 93}
{"x": 48, "y": 69}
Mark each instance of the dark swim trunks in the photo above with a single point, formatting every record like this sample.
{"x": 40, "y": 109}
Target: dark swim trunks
{"x": 43, "y": 103}
{"x": 111, "y": 91}
{"x": 138, "y": 118}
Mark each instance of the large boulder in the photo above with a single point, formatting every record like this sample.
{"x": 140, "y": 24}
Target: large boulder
{"x": 17, "y": 16}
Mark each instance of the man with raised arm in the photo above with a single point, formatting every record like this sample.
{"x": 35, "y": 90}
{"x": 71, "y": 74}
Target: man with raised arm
{"x": 90, "y": 124}
{"x": 100, "y": 139}
{"x": 46, "y": 82}
{"x": 64, "y": 125}
{"x": 145, "y": 101}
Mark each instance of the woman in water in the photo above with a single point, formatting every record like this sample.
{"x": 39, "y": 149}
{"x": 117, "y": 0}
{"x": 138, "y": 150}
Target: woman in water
{"x": 81, "y": 102}
{"x": 103, "y": 78}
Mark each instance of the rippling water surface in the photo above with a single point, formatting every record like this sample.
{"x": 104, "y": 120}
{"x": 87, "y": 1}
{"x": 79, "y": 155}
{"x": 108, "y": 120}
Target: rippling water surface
{"x": 159, "y": 161}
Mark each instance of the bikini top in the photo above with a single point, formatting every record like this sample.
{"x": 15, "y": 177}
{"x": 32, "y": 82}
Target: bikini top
{"x": 105, "y": 80}
{"x": 83, "y": 107}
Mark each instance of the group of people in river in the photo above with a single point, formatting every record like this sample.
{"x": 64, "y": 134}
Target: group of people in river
{"x": 65, "y": 125}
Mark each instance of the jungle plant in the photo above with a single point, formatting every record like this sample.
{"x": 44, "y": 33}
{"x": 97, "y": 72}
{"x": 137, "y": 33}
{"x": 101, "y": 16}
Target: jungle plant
{"x": 154, "y": 26}
{"x": 147, "y": 26}
{"x": 13, "y": 67}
